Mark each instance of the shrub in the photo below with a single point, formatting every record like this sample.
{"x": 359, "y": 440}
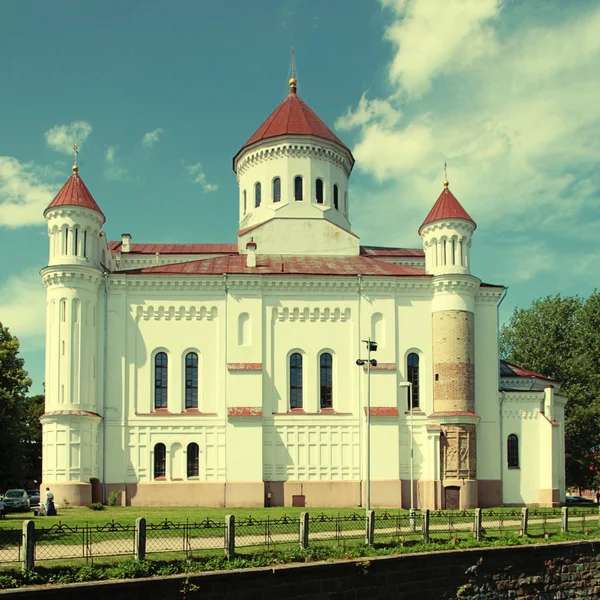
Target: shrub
{"x": 96, "y": 506}
{"x": 113, "y": 497}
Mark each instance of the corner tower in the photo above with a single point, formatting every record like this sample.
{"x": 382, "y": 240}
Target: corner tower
{"x": 446, "y": 234}
{"x": 74, "y": 338}
{"x": 293, "y": 185}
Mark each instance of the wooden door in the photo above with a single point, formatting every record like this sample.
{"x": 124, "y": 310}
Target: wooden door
{"x": 452, "y": 498}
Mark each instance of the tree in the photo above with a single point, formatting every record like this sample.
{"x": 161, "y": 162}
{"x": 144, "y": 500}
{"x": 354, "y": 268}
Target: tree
{"x": 14, "y": 385}
{"x": 31, "y": 440}
{"x": 558, "y": 337}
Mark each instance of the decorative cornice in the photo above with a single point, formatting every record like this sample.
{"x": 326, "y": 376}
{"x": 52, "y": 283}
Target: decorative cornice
{"x": 456, "y": 283}
{"x": 306, "y": 314}
{"x": 454, "y": 418}
{"x": 487, "y": 295}
{"x": 71, "y": 275}
{"x": 61, "y": 415}
{"x": 461, "y": 225}
{"x": 256, "y": 367}
{"x": 70, "y": 211}
{"x": 174, "y": 313}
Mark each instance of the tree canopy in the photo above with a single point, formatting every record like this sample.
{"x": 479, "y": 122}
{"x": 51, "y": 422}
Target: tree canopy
{"x": 559, "y": 336}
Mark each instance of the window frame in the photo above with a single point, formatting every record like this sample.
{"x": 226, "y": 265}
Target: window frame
{"x": 190, "y": 388}
{"x": 327, "y": 403}
{"x": 276, "y": 189}
{"x": 193, "y": 462}
{"x": 319, "y": 187}
{"x": 158, "y": 468}
{"x": 257, "y": 194}
{"x": 293, "y": 388}
{"x": 298, "y": 178}
{"x": 164, "y": 383}
{"x": 413, "y": 375}
{"x": 512, "y": 451}
{"x": 336, "y": 196}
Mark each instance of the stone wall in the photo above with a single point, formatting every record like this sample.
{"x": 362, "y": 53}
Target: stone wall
{"x": 553, "y": 571}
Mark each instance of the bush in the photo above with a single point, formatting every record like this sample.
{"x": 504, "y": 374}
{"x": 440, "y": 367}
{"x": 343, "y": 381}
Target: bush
{"x": 113, "y": 497}
{"x": 96, "y": 506}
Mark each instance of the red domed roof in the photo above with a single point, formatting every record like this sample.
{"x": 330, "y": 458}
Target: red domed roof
{"x": 446, "y": 207}
{"x": 294, "y": 117}
{"x": 75, "y": 193}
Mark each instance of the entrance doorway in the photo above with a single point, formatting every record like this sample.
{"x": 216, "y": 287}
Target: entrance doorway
{"x": 452, "y": 498}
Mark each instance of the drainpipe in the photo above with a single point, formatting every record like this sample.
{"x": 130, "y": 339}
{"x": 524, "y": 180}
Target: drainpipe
{"x": 501, "y": 393}
{"x": 104, "y": 369}
{"x": 359, "y": 381}
{"x": 225, "y": 374}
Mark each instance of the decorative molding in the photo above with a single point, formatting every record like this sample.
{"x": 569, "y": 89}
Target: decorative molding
{"x": 257, "y": 367}
{"x": 307, "y": 314}
{"x": 382, "y": 411}
{"x": 302, "y": 413}
{"x": 244, "y": 411}
{"x": 456, "y": 283}
{"x": 185, "y": 413}
{"x": 172, "y": 313}
{"x": 71, "y": 276}
{"x": 454, "y": 418}
{"x": 70, "y": 415}
{"x": 488, "y": 295}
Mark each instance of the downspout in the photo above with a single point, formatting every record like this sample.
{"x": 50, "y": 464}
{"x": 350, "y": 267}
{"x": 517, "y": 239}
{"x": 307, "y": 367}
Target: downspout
{"x": 501, "y": 392}
{"x": 359, "y": 383}
{"x": 104, "y": 370}
{"x": 225, "y": 389}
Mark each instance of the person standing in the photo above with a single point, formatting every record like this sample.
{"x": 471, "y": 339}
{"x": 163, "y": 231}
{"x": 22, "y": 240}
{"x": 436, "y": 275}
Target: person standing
{"x": 50, "y": 509}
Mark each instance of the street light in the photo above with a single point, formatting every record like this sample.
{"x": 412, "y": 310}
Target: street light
{"x": 370, "y": 362}
{"x": 408, "y": 384}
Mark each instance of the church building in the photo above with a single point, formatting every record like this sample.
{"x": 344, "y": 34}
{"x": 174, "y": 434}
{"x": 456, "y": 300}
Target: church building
{"x": 226, "y": 374}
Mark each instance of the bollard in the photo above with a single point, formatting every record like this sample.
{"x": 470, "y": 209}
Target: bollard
{"x": 140, "y": 538}
{"x": 564, "y": 521}
{"x": 425, "y": 525}
{"x": 28, "y": 545}
{"x": 524, "y": 521}
{"x": 229, "y": 537}
{"x": 303, "y": 531}
{"x": 370, "y": 527}
{"x": 477, "y": 528}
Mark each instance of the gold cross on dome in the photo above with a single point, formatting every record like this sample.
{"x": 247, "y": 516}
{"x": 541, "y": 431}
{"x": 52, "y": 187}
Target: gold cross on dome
{"x": 75, "y": 152}
{"x": 446, "y": 184}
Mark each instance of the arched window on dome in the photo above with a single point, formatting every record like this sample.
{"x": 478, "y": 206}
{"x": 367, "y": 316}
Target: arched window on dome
{"x": 76, "y": 241}
{"x": 66, "y": 240}
{"x": 85, "y": 243}
{"x": 298, "y": 188}
{"x": 244, "y": 201}
{"x": 296, "y": 380}
{"x": 160, "y": 461}
{"x": 319, "y": 191}
{"x": 193, "y": 460}
{"x": 191, "y": 380}
{"x": 512, "y": 451}
{"x": 257, "y": 194}
{"x": 161, "y": 367}
{"x": 276, "y": 189}
{"x": 412, "y": 375}
{"x": 326, "y": 380}
{"x": 336, "y": 194}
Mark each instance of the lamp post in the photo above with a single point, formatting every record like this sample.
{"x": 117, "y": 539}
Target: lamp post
{"x": 370, "y": 362}
{"x": 408, "y": 384}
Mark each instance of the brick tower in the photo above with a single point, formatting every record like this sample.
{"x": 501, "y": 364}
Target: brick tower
{"x": 446, "y": 234}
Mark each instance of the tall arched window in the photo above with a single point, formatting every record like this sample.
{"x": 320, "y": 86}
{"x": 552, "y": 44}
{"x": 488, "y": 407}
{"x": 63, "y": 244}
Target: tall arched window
{"x": 191, "y": 380}
{"x": 66, "y": 240}
{"x": 76, "y": 242}
{"x": 336, "y": 196}
{"x": 160, "y": 461}
{"x": 296, "y": 380}
{"x": 257, "y": 194}
{"x": 319, "y": 191}
{"x": 161, "y": 368}
{"x": 412, "y": 374}
{"x": 276, "y": 189}
{"x": 193, "y": 460}
{"x": 298, "y": 188}
{"x": 512, "y": 451}
{"x": 326, "y": 380}
{"x": 244, "y": 194}
{"x": 85, "y": 243}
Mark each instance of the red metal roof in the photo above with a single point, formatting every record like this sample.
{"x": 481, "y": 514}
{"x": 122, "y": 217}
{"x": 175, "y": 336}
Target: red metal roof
{"x": 285, "y": 265}
{"x": 509, "y": 370}
{"x": 446, "y": 207}
{"x": 75, "y": 193}
{"x": 294, "y": 117}
{"x": 400, "y": 252}
{"x": 176, "y": 248}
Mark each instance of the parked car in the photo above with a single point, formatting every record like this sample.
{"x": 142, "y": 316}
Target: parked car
{"x": 579, "y": 500}
{"x": 34, "y": 497}
{"x": 16, "y": 500}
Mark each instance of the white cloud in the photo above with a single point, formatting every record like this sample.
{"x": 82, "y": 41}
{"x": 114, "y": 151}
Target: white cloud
{"x": 24, "y": 195}
{"x": 62, "y": 137}
{"x": 151, "y": 138}
{"x": 198, "y": 176}
{"x": 368, "y": 111}
{"x": 23, "y": 308}
{"x": 114, "y": 170}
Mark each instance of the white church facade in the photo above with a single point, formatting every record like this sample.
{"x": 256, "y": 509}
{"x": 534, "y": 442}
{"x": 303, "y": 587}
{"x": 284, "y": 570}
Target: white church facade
{"x": 226, "y": 374}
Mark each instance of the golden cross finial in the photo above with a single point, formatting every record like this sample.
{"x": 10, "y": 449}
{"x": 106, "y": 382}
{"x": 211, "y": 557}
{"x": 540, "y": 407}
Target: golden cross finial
{"x": 446, "y": 184}
{"x": 75, "y": 153}
{"x": 293, "y": 81}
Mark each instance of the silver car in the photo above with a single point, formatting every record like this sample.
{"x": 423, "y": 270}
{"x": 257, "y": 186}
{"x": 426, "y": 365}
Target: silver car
{"x": 16, "y": 500}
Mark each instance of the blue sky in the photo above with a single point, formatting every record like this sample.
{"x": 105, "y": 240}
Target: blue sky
{"x": 161, "y": 95}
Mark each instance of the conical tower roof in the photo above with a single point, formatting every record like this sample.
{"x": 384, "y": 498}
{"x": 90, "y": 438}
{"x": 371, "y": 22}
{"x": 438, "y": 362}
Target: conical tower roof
{"x": 75, "y": 193}
{"x": 446, "y": 207}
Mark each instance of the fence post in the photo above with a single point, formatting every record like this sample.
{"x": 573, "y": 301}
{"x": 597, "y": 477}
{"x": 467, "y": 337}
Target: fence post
{"x": 303, "y": 531}
{"x": 229, "y": 537}
{"x": 477, "y": 529}
{"x": 425, "y": 524}
{"x": 524, "y": 521}
{"x": 370, "y": 527}
{"x": 28, "y": 544}
{"x": 140, "y": 538}
{"x": 564, "y": 521}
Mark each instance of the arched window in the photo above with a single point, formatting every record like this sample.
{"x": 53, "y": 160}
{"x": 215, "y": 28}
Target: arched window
{"x": 244, "y": 201}
{"x": 191, "y": 380}
{"x": 257, "y": 194}
{"x": 85, "y": 243}
{"x": 276, "y": 189}
{"x": 160, "y": 461}
{"x": 193, "y": 460}
{"x": 161, "y": 368}
{"x": 326, "y": 380}
{"x": 512, "y": 451}
{"x": 336, "y": 195}
{"x": 66, "y": 240}
{"x": 298, "y": 188}
{"x": 319, "y": 191}
{"x": 296, "y": 380}
{"x": 412, "y": 374}
{"x": 76, "y": 242}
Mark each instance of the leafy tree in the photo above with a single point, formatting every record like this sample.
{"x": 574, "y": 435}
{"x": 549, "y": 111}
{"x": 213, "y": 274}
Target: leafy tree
{"x": 14, "y": 385}
{"x": 31, "y": 440}
{"x": 558, "y": 337}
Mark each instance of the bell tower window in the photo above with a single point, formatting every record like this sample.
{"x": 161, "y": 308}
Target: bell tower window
{"x": 276, "y": 189}
{"x": 336, "y": 194}
{"x": 298, "y": 188}
{"x": 257, "y": 195}
{"x": 319, "y": 191}
{"x": 244, "y": 201}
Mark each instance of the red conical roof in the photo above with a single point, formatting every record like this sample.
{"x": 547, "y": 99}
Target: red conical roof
{"x": 75, "y": 193}
{"x": 294, "y": 117}
{"x": 446, "y": 207}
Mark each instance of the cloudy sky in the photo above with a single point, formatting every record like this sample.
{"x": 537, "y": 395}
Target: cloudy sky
{"x": 160, "y": 95}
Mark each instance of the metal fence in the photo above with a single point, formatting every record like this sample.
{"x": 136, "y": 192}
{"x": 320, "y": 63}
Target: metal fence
{"x": 209, "y": 537}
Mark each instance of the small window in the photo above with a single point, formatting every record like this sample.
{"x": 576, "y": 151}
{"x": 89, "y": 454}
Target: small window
{"x": 76, "y": 242}
{"x": 298, "y": 188}
{"x": 85, "y": 243}
{"x": 319, "y": 191}
{"x": 67, "y": 240}
{"x": 160, "y": 461}
{"x": 512, "y": 451}
{"x": 193, "y": 460}
{"x": 412, "y": 373}
{"x": 191, "y": 380}
{"x": 244, "y": 201}
{"x": 276, "y": 189}
{"x": 336, "y": 195}
{"x": 326, "y": 380}
{"x": 296, "y": 380}
{"x": 160, "y": 380}
{"x": 257, "y": 195}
